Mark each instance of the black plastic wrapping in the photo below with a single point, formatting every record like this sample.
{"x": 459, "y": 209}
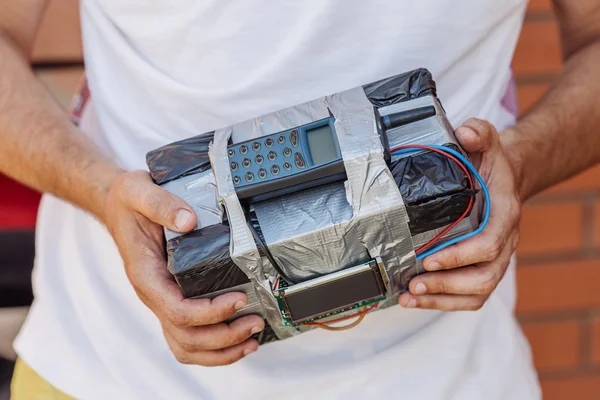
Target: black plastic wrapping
{"x": 201, "y": 263}
{"x": 178, "y": 159}
{"x": 434, "y": 189}
{"x": 399, "y": 88}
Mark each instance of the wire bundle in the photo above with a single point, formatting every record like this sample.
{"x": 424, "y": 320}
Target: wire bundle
{"x": 427, "y": 249}
{"x": 466, "y": 166}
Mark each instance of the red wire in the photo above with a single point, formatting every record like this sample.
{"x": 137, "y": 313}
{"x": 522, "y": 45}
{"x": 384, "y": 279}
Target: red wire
{"x": 343, "y": 318}
{"x": 469, "y": 207}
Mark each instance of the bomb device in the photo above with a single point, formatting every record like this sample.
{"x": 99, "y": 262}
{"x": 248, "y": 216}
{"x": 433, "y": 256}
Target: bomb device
{"x": 322, "y": 212}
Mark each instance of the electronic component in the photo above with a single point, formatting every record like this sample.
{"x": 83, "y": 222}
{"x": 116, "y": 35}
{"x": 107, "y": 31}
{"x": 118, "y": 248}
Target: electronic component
{"x": 331, "y": 294}
{"x": 286, "y": 161}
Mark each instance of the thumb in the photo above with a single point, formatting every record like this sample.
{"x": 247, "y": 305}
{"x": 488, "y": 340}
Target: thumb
{"x": 477, "y": 136}
{"x": 157, "y": 204}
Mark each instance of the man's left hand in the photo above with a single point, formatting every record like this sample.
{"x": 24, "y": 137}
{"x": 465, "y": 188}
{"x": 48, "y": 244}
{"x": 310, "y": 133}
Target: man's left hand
{"x": 462, "y": 276}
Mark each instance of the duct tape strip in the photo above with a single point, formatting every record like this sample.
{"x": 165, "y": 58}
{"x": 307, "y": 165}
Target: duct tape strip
{"x": 243, "y": 250}
{"x": 378, "y": 208}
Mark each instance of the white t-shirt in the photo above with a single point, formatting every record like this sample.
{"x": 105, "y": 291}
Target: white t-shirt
{"x": 165, "y": 70}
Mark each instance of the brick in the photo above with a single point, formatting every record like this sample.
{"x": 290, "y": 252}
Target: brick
{"x": 59, "y": 36}
{"x": 595, "y": 345}
{"x": 529, "y": 94}
{"x": 62, "y": 82}
{"x": 555, "y": 345}
{"x": 539, "y": 5}
{"x": 587, "y": 181}
{"x": 558, "y": 286}
{"x": 585, "y": 387}
{"x": 551, "y": 228}
{"x": 597, "y": 223}
{"x": 538, "y": 49}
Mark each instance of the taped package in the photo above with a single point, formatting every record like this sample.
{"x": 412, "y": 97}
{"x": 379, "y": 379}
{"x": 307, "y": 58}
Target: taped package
{"x": 308, "y": 212}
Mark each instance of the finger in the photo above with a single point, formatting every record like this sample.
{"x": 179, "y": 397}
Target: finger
{"x": 476, "y": 135}
{"x": 157, "y": 204}
{"x": 156, "y": 288}
{"x": 219, "y": 336}
{"x": 184, "y": 313}
{"x": 442, "y": 302}
{"x": 484, "y": 247}
{"x": 481, "y": 279}
{"x": 212, "y": 358}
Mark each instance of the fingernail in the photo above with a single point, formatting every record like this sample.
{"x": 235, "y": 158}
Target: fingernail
{"x": 433, "y": 266}
{"x": 255, "y": 330}
{"x": 239, "y": 305}
{"x": 248, "y": 351}
{"x": 412, "y": 303}
{"x": 420, "y": 288}
{"x": 181, "y": 218}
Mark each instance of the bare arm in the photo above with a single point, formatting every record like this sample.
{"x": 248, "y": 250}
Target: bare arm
{"x": 560, "y": 136}
{"x": 40, "y": 147}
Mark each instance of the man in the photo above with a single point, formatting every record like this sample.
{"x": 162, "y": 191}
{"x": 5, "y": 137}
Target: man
{"x": 166, "y": 70}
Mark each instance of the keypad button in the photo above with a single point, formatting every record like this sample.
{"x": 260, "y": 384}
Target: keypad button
{"x": 294, "y": 138}
{"x": 259, "y": 159}
{"x": 272, "y": 155}
{"x": 236, "y": 180}
{"x": 287, "y": 152}
{"x": 249, "y": 176}
{"x": 246, "y": 163}
{"x": 281, "y": 139}
{"x": 262, "y": 173}
{"x": 231, "y": 152}
{"x": 299, "y": 160}
{"x": 275, "y": 169}
{"x": 256, "y": 146}
{"x": 287, "y": 166}
{"x": 269, "y": 142}
{"x": 233, "y": 165}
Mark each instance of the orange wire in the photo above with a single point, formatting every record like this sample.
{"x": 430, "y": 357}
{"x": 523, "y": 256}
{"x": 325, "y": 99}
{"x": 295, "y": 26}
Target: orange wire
{"x": 360, "y": 315}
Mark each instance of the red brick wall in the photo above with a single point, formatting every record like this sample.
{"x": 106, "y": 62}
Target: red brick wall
{"x": 559, "y": 255}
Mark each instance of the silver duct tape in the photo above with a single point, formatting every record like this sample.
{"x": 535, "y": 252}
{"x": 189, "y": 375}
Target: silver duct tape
{"x": 378, "y": 210}
{"x": 243, "y": 250}
{"x": 433, "y": 130}
{"x": 308, "y": 232}
{"x": 321, "y": 252}
{"x": 279, "y": 121}
{"x": 200, "y": 192}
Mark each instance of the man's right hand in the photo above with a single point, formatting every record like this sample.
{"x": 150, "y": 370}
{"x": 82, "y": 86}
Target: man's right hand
{"x": 135, "y": 211}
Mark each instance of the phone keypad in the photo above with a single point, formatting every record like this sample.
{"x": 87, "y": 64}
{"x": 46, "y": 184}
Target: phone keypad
{"x": 275, "y": 156}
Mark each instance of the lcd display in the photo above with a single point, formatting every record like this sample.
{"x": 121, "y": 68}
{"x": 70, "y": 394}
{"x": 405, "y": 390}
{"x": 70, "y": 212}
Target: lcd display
{"x": 321, "y": 145}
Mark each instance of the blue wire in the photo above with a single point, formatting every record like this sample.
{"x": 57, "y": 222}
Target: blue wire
{"x": 483, "y": 187}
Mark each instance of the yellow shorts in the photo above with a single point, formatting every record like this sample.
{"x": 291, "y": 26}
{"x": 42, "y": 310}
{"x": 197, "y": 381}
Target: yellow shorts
{"x": 28, "y": 385}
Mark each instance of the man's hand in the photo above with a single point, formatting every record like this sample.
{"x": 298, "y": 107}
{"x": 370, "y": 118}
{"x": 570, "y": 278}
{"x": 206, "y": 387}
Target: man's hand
{"x": 136, "y": 210}
{"x": 483, "y": 259}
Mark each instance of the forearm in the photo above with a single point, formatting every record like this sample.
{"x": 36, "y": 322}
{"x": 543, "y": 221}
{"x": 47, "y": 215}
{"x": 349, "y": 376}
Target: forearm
{"x": 560, "y": 136}
{"x": 40, "y": 146}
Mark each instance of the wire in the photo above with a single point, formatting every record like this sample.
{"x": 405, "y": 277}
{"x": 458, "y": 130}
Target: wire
{"x": 486, "y": 218}
{"x": 471, "y": 186}
{"x": 263, "y": 246}
{"x": 360, "y": 315}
